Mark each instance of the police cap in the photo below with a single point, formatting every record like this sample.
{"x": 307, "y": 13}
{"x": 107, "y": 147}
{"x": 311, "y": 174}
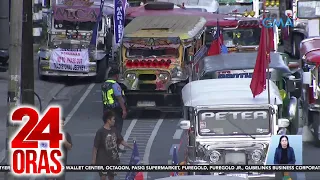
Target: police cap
{"x": 113, "y": 72}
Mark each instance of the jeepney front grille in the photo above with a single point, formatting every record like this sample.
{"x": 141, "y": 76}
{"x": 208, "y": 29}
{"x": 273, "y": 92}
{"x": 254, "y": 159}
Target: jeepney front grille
{"x": 147, "y": 87}
{"x": 147, "y": 77}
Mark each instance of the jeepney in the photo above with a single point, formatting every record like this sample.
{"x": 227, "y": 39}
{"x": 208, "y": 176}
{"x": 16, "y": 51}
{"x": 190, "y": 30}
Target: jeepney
{"x": 301, "y": 12}
{"x": 241, "y": 65}
{"x": 226, "y": 125}
{"x": 239, "y": 33}
{"x": 156, "y": 56}
{"x": 68, "y": 51}
{"x": 310, "y": 61}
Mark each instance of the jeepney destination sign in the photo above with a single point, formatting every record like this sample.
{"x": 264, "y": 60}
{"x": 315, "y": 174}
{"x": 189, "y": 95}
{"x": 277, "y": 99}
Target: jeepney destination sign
{"x": 224, "y": 122}
{"x": 76, "y": 10}
{"x": 247, "y": 115}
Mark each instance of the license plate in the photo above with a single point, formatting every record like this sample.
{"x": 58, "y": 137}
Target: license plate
{"x": 238, "y": 175}
{"x": 146, "y": 104}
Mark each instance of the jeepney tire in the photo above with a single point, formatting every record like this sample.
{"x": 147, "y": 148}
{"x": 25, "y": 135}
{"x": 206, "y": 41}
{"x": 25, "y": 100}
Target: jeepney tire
{"x": 101, "y": 70}
{"x": 41, "y": 77}
{"x": 297, "y": 38}
{"x": 159, "y": 6}
{"x": 315, "y": 123}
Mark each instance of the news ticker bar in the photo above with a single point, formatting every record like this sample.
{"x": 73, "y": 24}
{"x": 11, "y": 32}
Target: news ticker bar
{"x": 192, "y": 168}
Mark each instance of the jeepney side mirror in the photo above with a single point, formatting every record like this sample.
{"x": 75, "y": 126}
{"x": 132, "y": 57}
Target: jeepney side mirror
{"x": 283, "y": 123}
{"x": 185, "y": 124}
{"x": 306, "y": 78}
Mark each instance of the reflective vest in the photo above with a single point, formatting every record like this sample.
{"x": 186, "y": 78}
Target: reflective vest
{"x": 108, "y": 97}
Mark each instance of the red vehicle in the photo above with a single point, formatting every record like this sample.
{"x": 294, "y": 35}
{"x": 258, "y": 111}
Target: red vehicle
{"x": 239, "y": 33}
{"x": 310, "y": 61}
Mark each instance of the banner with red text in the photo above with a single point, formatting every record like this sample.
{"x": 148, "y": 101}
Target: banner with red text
{"x": 62, "y": 60}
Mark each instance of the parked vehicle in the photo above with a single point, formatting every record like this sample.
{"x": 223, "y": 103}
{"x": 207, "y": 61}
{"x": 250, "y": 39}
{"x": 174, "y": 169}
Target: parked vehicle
{"x": 68, "y": 51}
{"x": 228, "y": 126}
{"x": 156, "y": 55}
{"x": 241, "y": 65}
{"x": 310, "y": 51}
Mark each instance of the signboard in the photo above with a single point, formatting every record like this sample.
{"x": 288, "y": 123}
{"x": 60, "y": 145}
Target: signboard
{"x": 234, "y": 122}
{"x": 76, "y": 13}
{"x": 63, "y": 60}
{"x": 119, "y": 17}
{"x": 308, "y": 9}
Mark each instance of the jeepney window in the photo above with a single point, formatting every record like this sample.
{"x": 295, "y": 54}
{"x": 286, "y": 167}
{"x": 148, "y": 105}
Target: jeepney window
{"x": 243, "y": 37}
{"x": 234, "y": 122}
{"x": 134, "y": 52}
{"x": 81, "y": 26}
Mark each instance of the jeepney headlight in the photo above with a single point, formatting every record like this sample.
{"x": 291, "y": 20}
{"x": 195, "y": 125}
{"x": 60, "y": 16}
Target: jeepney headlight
{"x": 177, "y": 72}
{"x": 214, "y": 156}
{"x": 257, "y": 155}
{"x": 163, "y": 77}
{"x": 252, "y": 13}
{"x": 131, "y": 76}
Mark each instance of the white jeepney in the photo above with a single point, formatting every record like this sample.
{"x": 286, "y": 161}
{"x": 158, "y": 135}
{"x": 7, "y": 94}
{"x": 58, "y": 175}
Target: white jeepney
{"x": 68, "y": 51}
{"x": 228, "y": 126}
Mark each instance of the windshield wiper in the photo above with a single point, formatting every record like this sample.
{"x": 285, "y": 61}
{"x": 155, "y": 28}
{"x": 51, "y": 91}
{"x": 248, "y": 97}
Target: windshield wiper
{"x": 240, "y": 129}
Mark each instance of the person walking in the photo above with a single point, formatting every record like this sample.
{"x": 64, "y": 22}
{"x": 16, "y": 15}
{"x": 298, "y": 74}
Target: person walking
{"x": 113, "y": 98}
{"x": 106, "y": 140}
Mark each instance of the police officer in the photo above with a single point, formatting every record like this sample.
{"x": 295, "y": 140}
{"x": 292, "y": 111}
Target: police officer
{"x": 113, "y": 98}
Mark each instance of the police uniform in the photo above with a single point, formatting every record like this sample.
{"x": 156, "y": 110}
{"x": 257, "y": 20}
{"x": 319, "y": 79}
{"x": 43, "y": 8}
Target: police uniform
{"x": 110, "y": 90}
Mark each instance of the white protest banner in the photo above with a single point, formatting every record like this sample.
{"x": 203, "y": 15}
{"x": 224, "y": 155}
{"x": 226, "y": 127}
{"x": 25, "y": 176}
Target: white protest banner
{"x": 62, "y": 60}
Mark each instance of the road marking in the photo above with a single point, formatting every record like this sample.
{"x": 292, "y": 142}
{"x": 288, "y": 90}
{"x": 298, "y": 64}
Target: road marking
{"x": 172, "y": 147}
{"x": 75, "y": 108}
{"x": 177, "y": 134}
{"x": 128, "y": 132}
{"x": 149, "y": 144}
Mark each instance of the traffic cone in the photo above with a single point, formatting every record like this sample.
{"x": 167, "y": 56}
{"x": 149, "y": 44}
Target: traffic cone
{"x": 306, "y": 134}
{"x": 139, "y": 176}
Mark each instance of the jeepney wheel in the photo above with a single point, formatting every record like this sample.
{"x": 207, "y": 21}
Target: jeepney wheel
{"x": 41, "y": 77}
{"x": 295, "y": 52}
{"x": 315, "y": 118}
{"x": 101, "y": 70}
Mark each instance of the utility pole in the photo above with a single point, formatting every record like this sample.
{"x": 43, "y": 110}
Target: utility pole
{"x": 4, "y": 32}
{"x": 27, "y": 61}
{"x": 14, "y": 69}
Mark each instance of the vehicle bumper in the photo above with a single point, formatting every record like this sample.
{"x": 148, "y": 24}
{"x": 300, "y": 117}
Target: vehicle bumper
{"x": 45, "y": 70}
{"x": 161, "y": 101}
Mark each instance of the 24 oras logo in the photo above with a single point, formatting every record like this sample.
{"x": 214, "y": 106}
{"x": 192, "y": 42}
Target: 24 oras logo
{"x": 34, "y": 151}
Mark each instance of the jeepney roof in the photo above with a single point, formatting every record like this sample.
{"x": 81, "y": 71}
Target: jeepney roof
{"x": 238, "y": 61}
{"x": 184, "y": 27}
{"x": 203, "y": 177}
{"x": 226, "y": 92}
{"x": 310, "y": 50}
{"x": 212, "y": 18}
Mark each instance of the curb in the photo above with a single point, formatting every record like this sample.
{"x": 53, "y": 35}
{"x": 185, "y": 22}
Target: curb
{"x": 52, "y": 96}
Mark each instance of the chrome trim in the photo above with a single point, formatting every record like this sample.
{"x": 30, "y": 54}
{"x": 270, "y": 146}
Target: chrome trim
{"x": 293, "y": 105}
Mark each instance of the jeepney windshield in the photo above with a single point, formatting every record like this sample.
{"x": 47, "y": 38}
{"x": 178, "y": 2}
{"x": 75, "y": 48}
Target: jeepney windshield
{"x": 308, "y": 9}
{"x": 81, "y": 26}
{"x": 233, "y": 122}
{"x": 242, "y": 37}
{"x": 235, "y": 7}
{"x": 140, "y": 52}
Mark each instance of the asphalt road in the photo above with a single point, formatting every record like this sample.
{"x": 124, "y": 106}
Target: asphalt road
{"x": 156, "y": 134}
